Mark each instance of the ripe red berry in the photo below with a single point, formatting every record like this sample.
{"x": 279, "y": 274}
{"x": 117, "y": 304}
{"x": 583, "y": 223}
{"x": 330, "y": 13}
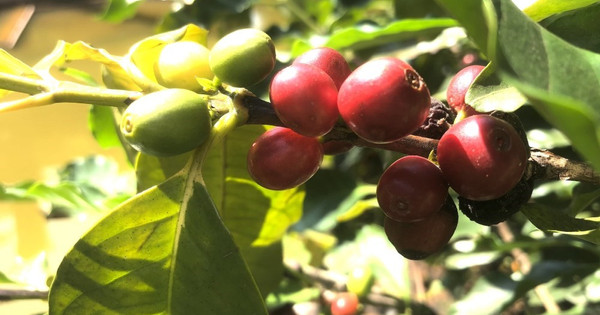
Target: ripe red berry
{"x": 458, "y": 87}
{"x": 482, "y": 157}
{"x": 304, "y": 97}
{"x": 282, "y": 159}
{"x": 411, "y": 189}
{"x": 384, "y": 100}
{"x": 345, "y": 303}
{"x": 420, "y": 239}
{"x": 328, "y": 60}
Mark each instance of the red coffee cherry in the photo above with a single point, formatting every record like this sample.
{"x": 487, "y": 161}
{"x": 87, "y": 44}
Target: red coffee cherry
{"x": 458, "y": 87}
{"x": 282, "y": 159}
{"x": 345, "y": 303}
{"x": 411, "y": 189}
{"x": 384, "y": 100}
{"x": 419, "y": 240}
{"x": 304, "y": 97}
{"x": 328, "y": 60}
{"x": 482, "y": 157}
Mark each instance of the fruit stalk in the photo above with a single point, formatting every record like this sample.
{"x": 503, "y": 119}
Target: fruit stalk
{"x": 547, "y": 165}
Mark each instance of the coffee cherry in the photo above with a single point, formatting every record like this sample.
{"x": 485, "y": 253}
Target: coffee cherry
{"x": 411, "y": 189}
{"x": 281, "y": 158}
{"x": 304, "y": 98}
{"x": 167, "y": 122}
{"x": 482, "y": 157}
{"x": 180, "y": 63}
{"x": 328, "y": 60}
{"x": 419, "y": 240}
{"x": 243, "y": 57}
{"x": 490, "y": 212}
{"x": 384, "y": 100}
{"x": 345, "y": 303}
{"x": 458, "y": 87}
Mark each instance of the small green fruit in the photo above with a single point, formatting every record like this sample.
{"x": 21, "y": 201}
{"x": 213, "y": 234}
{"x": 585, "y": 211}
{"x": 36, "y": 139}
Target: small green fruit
{"x": 167, "y": 122}
{"x": 243, "y": 57}
{"x": 179, "y": 64}
{"x": 360, "y": 280}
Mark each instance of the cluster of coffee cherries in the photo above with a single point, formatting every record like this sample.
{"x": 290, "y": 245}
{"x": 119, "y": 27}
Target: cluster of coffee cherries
{"x": 482, "y": 157}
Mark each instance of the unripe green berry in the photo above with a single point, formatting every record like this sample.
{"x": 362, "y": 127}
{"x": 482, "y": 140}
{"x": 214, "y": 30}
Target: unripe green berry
{"x": 243, "y": 57}
{"x": 167, "y": 122}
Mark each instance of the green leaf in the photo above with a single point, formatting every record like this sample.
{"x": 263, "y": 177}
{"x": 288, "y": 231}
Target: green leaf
{"x": 542, "y": 9}
{"x": 103, "y": 126}
{"x": 365, "y": 36}
{"x": 12, "y": 65}
{"x": 257, "y": 217}
{"x": 165, "y": 251}
{"x": 488, "y": 93}
{"x": 479, "y": 19}
{"x": 559, "y": 222}
{"x": 487, "y": 296}
{"x": 151, "y": 170}
{"x": 579, "y": 27}
{"x": 120, "y": 10}
{"x": 583, "y": 196}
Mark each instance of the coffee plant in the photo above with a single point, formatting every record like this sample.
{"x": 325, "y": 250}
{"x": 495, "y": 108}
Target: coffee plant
{"x": 333, "y": 157}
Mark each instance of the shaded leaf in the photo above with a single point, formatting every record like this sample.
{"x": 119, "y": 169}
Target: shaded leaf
{"x": 583, "y": 196}
{"x": 325, "y": 195}
{"x": 166, "y": 250}
{"x": 578, "y": 27}
{"x": 556, "y": 221}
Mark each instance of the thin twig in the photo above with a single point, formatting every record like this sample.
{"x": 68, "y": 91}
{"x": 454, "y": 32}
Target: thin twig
{"x": 8, "y": 294}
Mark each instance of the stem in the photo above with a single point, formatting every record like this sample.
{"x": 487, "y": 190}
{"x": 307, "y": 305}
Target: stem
{"x": 21, "y": 84}
{"x": 7, "y": 294}
{"x": 547, "y": 165}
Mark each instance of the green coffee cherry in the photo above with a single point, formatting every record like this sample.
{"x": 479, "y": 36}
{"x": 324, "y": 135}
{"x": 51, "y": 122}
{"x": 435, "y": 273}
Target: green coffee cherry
{"x": 243, "y": 57}
{"x": 167, "y": 122}
{"x": 360, "y": 280}
{"x": 179, "y": 64}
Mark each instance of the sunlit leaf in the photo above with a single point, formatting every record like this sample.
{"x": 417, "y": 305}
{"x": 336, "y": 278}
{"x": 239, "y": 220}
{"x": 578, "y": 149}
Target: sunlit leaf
{"x": 166, "y": 250}
{"x": 487, "y": 296}
{"x": 541, "y": 9}
{"x": 365, "y": 36}
{"x": 12, "y": 65}
{"x": 103, "y": 126}
{"x": 257, "y": 217}
{"x": 547, "y": 138}
{"x": 488, "y": 93}
{"x": 371, "y": 246}
{"x": 479, "y": 19}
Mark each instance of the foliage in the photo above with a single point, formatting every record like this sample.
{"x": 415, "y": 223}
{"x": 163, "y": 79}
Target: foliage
{"x": 194, "y": 232}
